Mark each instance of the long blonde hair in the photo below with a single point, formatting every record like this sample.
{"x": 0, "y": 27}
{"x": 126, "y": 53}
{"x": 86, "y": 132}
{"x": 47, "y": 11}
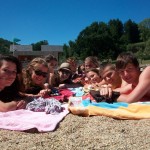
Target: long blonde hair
{"x": 27, "y": 72}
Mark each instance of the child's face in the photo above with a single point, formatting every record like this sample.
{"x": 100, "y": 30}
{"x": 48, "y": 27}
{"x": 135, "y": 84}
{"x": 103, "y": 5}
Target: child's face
{"x": 82, "y": 68}
{"x": 73, "y": 66}
{"x": 64, "y": 74}
{"x": 130, "y": 73}
{"x": 39, "y": 75}
{"x": 52, "y": 64}
{"x": 109, "y": 75}
{"x": 93, "y": 77}
{"x": 8, "y": 73}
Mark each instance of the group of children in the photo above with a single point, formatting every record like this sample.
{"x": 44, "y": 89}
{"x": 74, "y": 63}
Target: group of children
{"x": 40, "y": 76}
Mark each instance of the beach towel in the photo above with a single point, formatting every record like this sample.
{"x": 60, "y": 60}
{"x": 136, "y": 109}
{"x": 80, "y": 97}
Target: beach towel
{"x": 21, "y": 120}
{"x": 77, "y": 91}
{"x": 64, "y": 95}
{"x": 118, "y": 110}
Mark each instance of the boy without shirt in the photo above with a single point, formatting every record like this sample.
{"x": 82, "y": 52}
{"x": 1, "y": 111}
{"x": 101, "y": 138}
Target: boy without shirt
{"x": 138, "y": 88}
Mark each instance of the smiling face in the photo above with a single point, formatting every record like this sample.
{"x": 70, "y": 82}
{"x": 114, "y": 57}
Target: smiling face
{"x": 64, "y": 74}
{"x": 128, "y": 68}
{"x": 93, "y": 77}
{"x": 109, "y": 74}
{"x": 130, "y": 74}
{"x": 39, "y": 74}
{"x": 8, "y": 73}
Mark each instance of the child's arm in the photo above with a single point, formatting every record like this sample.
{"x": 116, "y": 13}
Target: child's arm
{"x": 4, "y": 107}
{"x": 13, "y": 105}
{"x": 141, "y": 91}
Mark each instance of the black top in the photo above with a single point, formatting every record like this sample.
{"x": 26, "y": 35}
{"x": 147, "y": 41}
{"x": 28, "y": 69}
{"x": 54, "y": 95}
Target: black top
{"x": 9, "y": 94}
{"x": 33, "y": 90}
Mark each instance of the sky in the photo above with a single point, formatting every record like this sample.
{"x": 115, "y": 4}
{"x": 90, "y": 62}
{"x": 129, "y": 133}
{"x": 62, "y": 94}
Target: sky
{"x": 59, "y": 21}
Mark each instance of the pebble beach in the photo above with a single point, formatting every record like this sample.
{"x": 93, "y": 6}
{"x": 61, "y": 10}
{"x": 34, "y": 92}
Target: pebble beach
{"x": 82, "y": 133}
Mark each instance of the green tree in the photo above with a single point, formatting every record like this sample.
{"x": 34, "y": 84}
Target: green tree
{"x": 136, "y": 47}
{"x": 131, "y": 32}
{"x": 5, "y": 46}
{"x": 37, "y": 46}
{"x": 116, "y": 29}
{"x": 144, "y": 28}
{"x": 116, "y": 32}
{"x": 66, "y": 51}
{"x": 147, "y": 50}
{"x": 94, "y": 40}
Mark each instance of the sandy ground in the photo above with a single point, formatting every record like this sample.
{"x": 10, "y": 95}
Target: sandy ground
{"x": 83, "y": 133}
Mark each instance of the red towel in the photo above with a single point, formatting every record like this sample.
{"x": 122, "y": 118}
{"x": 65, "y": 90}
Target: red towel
{"x": 64, "y": 95}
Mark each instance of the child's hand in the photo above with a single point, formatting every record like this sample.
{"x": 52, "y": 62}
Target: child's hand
{"x": 106, "y": 90}
{"x": 21, "y": 104}
{"x": 62, "y": 86}
{"x": 44, "y": 92}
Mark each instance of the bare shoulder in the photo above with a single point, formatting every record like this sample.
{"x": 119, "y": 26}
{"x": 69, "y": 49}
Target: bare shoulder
{"x": 146, "y": 72}
{"x": 147, "y": 68}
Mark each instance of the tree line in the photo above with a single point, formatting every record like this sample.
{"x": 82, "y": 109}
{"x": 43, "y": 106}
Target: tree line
{"x": 107, "y": 40}
{"x": 104, "y": 40}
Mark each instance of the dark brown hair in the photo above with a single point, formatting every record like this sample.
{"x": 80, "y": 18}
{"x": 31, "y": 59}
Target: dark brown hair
{"x": 126, "y": 58}
{"x": 11, "y": 92}
{"x": 13, "y": 59}
{"x": 49, "y": 58}
{"x": 93, "y": 70}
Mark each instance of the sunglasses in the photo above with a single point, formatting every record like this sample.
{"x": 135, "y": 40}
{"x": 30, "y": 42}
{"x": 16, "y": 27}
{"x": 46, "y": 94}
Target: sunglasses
{"x": 41, "y": 73}
{"x": 65, "y": 72}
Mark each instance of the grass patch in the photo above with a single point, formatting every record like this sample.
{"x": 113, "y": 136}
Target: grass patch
{"x": 144, "y": 62}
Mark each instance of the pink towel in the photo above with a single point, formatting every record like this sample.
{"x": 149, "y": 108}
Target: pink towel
{"x": 22, "y": 120}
